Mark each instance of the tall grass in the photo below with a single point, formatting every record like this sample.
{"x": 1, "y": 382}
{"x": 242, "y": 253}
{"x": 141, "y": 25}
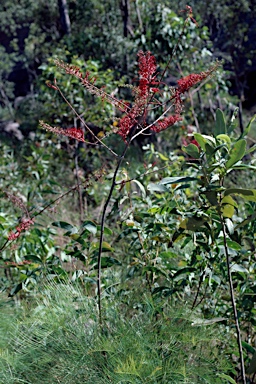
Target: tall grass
{"x": 58, "y": 341}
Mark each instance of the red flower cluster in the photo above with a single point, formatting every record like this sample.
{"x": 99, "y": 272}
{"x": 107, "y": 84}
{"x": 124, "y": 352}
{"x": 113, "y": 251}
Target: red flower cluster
{"x": 147, "y": 69}
{"x": 165, "y": 123}
{"x": 23, "y": 226}
{"x": 144, "y": 93}
{"x": 185, "y": 83}
{"x": 147, "y": 72}
{"x": 75, "y": 133}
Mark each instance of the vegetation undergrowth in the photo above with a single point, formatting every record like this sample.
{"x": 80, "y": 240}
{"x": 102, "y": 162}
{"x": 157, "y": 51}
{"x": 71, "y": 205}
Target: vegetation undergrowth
{"x": 57, "y": 340}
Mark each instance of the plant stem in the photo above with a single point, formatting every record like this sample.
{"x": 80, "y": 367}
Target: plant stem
{"x": 238, "y": 331}
{"x": 102, "y": 224}
{"x": 80, "y": 196}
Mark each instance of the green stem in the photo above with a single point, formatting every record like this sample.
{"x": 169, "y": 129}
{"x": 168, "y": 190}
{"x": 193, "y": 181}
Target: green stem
{"x": 231, "y": 288}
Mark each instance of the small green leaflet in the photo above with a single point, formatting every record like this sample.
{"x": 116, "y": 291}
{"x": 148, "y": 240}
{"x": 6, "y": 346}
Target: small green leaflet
{"x": 220, "y": 125}
{"x": 192, "y": 150}
{"x": 236, "y": 153}
{"x": 247, "y": 194}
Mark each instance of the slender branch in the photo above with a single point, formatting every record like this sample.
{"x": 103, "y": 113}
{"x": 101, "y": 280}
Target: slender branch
{"x": 231, "y": 288}
{"x": 82, "y": 120}
{"x": 80, "y": 197}
{"x": 141, "y": 175}
{"x": 103, "y": 217}
{"x": 150, "y": 125}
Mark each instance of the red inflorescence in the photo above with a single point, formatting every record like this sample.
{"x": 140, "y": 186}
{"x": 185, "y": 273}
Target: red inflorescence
{"x": 165, "y": 123}
{"x": 147, "y": 69}
{"x": 185, "y": 83}
{"x": 23, "y": 226}
{"x": 75, "y": 133}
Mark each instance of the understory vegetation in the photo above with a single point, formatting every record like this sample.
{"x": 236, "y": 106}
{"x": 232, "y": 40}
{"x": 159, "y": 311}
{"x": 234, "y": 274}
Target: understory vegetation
{"x": 127, "y": 185}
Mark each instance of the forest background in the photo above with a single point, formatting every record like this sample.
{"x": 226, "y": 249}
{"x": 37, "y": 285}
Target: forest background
{"x": 182, "y": 213}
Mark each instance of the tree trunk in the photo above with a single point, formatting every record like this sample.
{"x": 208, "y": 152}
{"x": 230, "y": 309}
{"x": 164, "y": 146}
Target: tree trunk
{"x": 125, "y": 11}
{"x": 64, "y": 17}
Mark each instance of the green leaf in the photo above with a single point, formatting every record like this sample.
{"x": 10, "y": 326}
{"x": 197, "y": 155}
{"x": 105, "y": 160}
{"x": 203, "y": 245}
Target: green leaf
{"x": 248, "y": 127}
{"x": 108, "y": 261}
{"x": 236, "y": 153}
{"x": 106, "y": 247}
{"x": 90, "y": 226}
{"x": 247, "y": 194}
{"x": 34, "y": 258}
{"x": 226, "y": 377}
{"x": 225, "y": 138}
{"x": 238, "y": 268}
{"x": 183, "y": 271}
{"x": 209, "y": 150}
{"x": 156, "y": 188}
{"x": 192, "y": 223}
{"x": 162, "y": 157}
{"x": 248, "y": 347}
{"x": 2, "y": 219}
{"x": 192, "y": 150}
{"x": 107, "y": 231}
{"x": 141, "y": 187}
{"x": 177, "y": 180}
{"x": 250, "y": 150}
{"x": 166, "y": 291}
{"x": 200, "y": 139}
{"x": 246, "y": 221}
{"x": 231, "y": 244}
{"x": 228, "y": 200}
{"x": 204, "y": 139}
{"x": 15, "y": 289}
{"x": 220, "y": 124}
{"x": 212, "y": 197}
{"x": 63, "y": 225}
{"x": 230, "y": 226}
{"x": 228, "y": 210}
{"x": 233, "y": 122}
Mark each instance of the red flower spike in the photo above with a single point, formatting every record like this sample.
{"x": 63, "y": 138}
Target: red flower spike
{"x": 147, "y": 69}
{"x": 165, "y": 123}
{"x": 23, "y": 226}
{"x": 185, "y": 83}
{"x": 75, "y": 133}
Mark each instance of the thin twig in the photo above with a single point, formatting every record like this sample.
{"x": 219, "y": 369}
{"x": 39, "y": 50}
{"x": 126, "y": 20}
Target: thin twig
{"x": 141, "y": 175}
{"x": 82, "y": 121}
{"x": 80, "y": 197}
